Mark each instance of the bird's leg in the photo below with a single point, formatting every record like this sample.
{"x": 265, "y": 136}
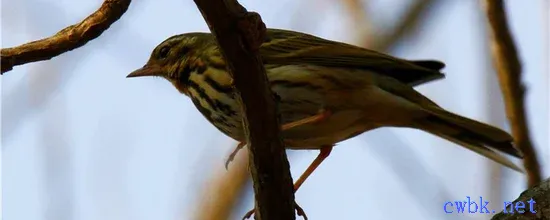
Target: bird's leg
{"x": 323, "y": 154}
{"x": 323, "y": 114}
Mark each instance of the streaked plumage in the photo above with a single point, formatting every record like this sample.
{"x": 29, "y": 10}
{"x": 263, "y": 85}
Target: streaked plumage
{"x": 363, "y": 90}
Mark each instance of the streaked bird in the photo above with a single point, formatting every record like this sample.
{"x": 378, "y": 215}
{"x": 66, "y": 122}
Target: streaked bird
{"x": 329, "y": 92}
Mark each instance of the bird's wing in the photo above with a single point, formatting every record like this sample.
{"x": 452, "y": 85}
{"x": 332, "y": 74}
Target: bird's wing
{"x": 283, "y": 47}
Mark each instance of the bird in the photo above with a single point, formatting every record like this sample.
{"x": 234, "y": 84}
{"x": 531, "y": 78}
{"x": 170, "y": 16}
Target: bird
{"x": 327, "y": 92}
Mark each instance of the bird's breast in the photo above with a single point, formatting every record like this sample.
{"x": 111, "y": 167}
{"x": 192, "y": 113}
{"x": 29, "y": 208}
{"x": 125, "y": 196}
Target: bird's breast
{"x": 303, "y": 92}
{"x": 213, "y": 95}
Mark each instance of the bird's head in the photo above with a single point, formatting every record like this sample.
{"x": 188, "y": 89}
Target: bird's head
{"x": 177, "y": 57}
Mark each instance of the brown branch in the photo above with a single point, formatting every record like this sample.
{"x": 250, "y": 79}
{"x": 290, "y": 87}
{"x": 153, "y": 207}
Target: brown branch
{"x": 535, "y": 202}
{"x": 506, "y": 60}
{"x": 67, "y": 39}
{"x": 240, "y": 34}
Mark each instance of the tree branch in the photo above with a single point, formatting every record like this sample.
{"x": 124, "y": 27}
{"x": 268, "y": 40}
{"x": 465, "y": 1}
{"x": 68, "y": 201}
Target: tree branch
{"x": 505, "y": 57}
{"x": 67, "y": 39}
{"x": 539, "y": 194}
{"x": 240, "y": 34}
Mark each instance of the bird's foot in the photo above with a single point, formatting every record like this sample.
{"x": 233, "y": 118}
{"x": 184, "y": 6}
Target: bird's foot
{"x": 234, "y": 153}
{"x": 299, "y": 211}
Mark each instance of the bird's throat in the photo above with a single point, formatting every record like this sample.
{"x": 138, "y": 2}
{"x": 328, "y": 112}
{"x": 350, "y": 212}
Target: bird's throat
{"x": 181, "y": 87}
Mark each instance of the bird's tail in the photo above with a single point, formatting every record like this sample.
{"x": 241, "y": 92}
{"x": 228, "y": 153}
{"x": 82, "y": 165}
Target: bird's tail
{"x": 476, "y": 136}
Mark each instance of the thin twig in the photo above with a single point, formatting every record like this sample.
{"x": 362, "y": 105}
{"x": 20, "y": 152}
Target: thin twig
{"x": 508, "y": 66}
{"x": 67, "y": 39}
{"x": 240, "y": 34}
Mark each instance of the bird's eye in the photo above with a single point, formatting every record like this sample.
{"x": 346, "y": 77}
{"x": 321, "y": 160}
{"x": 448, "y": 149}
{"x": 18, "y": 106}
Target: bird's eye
{"x": 163, "y": 52}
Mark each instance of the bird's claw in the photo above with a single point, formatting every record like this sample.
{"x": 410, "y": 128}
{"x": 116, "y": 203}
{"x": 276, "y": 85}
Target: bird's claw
{"x": 233, "y": 154}
{"x": 299, "y": 212}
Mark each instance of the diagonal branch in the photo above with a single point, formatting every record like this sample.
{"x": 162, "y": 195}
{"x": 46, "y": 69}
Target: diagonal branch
{"x": 240, "y": 34}
{"x": 67, "y": 39}
{"x": 505, "y": 57}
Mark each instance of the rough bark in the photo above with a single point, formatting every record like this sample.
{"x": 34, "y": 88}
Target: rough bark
{"x": 240, "y": 34}
{"x": 541, "y": 196}
{"x": 68, "y": 39}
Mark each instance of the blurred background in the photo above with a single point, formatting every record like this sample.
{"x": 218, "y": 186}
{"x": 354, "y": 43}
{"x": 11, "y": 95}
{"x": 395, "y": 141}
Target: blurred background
{"x": 80, "y": 141}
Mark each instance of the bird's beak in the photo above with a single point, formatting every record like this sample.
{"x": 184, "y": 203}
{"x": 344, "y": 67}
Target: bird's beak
{"x": 147, "y": 70}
